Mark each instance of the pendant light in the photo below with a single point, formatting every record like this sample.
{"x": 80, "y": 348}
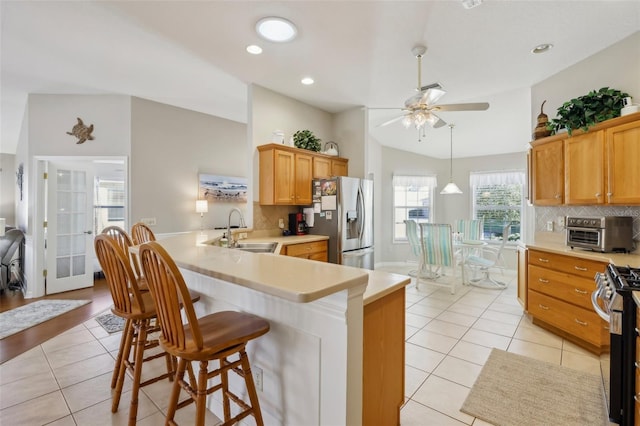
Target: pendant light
{"x": 451, "y": 187}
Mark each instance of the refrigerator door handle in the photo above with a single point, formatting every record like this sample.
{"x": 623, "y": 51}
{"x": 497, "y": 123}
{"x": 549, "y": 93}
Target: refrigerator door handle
{"x": 357, "y": 253}
{"x": 362, "y": 213}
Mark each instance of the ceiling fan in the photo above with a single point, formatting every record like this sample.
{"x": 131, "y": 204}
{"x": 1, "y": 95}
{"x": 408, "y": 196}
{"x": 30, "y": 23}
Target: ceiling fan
{"x": 421, "y": 108}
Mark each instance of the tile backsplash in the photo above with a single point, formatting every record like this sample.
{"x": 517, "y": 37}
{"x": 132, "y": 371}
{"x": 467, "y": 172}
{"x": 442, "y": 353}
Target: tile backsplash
{"x": 546, "y": 214}
{"x": 265, "y": 218}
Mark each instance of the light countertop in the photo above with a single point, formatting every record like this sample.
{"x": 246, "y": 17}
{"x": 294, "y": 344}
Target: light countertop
{"x": 554, "y": 242}
{"x": 291, "y": 278}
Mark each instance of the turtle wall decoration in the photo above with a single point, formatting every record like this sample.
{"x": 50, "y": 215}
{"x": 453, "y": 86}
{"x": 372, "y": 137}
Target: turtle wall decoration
{"x": 82, "y": 132}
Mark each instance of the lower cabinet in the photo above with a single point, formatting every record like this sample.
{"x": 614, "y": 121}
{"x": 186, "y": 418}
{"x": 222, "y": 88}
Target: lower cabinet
{"x": 383, "y": 360}
{"x": 317, "y": 250}
{"x": 559, "y": 298}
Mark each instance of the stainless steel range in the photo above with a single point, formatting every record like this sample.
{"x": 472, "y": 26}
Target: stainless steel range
{"x": 613, "y": 302}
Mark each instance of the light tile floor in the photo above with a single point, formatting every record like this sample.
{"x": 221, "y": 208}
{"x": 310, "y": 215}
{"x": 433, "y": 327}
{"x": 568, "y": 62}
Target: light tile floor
{"x": 65, "y": 381}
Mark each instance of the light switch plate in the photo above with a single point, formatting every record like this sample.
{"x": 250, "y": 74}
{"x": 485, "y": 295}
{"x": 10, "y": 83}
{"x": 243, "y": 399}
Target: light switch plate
{"x": 550, "y": 226}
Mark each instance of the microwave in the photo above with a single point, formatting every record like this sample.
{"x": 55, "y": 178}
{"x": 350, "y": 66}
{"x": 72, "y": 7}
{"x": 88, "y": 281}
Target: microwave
{"x": 603, "y": 234}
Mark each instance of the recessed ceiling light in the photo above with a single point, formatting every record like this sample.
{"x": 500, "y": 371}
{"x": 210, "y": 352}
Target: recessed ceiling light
{"x": 254, "y": 49}
{"x": 470, "y": 4}
{"x": 541, "y": 48}
{"x": 307, "y": 81}
{"x": 276, "y": 29}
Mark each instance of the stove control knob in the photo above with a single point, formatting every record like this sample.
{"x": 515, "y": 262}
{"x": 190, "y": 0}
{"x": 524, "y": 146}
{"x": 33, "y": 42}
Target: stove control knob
{"x": 609, "y": 293}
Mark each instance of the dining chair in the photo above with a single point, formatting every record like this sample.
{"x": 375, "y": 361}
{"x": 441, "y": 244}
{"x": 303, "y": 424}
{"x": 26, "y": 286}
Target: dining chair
{"x": 492, "y": 257}
{"x": 141, "y": 233}
{"x": 471, "y": 229}
{"x": 9, "y": 244}
{"x": 138, "y": 311}
{"x": 437, "y": 251}
{"x": 214, "y": 337}
{"x": 414, "y": 243}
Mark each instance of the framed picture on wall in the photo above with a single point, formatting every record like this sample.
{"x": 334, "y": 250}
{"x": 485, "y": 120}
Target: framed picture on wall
{"x": 222, "y": 188}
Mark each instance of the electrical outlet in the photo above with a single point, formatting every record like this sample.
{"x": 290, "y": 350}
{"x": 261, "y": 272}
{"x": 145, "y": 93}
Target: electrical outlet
{"x": 281, "y": 223}
{"x": 560, "y": 221}
{"x": 151, "y": 221}
{"x": 242, "y": 236}
{"x": 257, "y": 377}
{"x": 550, "y": 226}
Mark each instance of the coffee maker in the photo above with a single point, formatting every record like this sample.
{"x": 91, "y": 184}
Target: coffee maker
{"x": 297, "y": 224}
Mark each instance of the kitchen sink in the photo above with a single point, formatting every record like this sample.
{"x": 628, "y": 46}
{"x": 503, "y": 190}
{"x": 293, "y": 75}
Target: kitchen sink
{"x": 257, "y": 247}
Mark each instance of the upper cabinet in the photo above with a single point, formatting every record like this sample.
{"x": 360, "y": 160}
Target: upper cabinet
{"x": 286, "y": 173}
{"x": 547, "y": 173}
{"x": 623, "y": 152}
{"x": 589, "y": 168}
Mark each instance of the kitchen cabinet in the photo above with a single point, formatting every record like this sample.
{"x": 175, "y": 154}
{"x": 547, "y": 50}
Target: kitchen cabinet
{"x": 522, "y": 254}
{"x": 383, "y": 360}
{"x": 285, "y": 177}
{"x": 286, "y": 173}
{"x": 317, "y": 250}
{"x": 559, "y": 298}
{"x": 623, "y": 152}
{"x": 597, "y": 167}
{"x": 326, "y": 167}
{"x": 547, "y": 170}
{"x": 584, "y": 169}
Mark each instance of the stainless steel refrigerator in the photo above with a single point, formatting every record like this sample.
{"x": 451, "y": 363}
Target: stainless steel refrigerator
{"x": 343, "y": 210}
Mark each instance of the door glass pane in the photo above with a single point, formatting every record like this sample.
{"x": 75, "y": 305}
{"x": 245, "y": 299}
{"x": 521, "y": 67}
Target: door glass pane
{"x": 64, "y": 245}
{"x": 79, "y": 201}
{"x": 79, "y": 179}
{"x": 78, "y": 265}
{"x": 64, "y": 224}
{"x": 78, "y": 223}
{"x": 78, "y": 244}
{"x": 63, "y": 202}
{"x": 64, "y": 180}
{"x": 63, "y": 267}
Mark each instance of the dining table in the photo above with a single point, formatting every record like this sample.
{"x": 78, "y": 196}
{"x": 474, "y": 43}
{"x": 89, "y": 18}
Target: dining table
{"x": 466, "y": 248}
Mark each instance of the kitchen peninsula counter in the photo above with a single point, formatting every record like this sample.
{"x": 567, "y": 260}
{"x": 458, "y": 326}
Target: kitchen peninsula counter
{"x": 323, "y": 318}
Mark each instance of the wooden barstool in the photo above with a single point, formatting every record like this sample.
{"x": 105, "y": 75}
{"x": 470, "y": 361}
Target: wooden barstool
{"x": 141, "y": 233}
{"x": 124, "y": 241}
{"x": 217, "y": 336}
{"x": 138, "y": 310}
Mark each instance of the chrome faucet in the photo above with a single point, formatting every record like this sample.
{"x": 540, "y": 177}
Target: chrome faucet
{"x": 232, "y": 242}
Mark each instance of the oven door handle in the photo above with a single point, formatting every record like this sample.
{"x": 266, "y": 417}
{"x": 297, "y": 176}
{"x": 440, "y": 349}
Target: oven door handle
{"x": 594, "y": 301}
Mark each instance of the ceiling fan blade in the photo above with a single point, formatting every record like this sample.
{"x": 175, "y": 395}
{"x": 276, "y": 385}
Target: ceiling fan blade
{"x": 432, "y": 95}
{"x": 479, "y": 106}
{"x": 393, "y": 120}
{"x": 435, "y": 121}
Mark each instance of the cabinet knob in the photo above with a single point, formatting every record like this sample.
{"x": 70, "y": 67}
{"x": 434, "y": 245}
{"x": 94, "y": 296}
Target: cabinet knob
{"x": 557, "y": 196}
{"x": 580, "y": 268}
{"x": 598, "y": 195}
{"x": 542, "y": 280}
{"x": 546, "y": 308}
{"x": 577, "y": 290}
{"x": 543, "y": 260}
{"x": 580, "y": 322}
{"x": 609, "y": 194}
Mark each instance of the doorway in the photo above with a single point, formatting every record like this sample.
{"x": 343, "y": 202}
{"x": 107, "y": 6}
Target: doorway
{"x": 79, "y": 197}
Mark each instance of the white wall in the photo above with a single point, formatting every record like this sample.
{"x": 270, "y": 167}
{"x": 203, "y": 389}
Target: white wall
{"x": 170, "y": 147}
{"x": 8, "y": 188}
{"x": 350, "y": 128}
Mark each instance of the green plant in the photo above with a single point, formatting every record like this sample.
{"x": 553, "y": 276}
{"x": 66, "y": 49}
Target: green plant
{"x": 585, "y": 111}
{"x": 305, "y": 139}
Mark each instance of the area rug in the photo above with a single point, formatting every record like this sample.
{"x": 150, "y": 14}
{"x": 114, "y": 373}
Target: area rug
{"x": 520, "y": 391}
{"x": 111, "y": 323}
{"x": 26, "y": 316}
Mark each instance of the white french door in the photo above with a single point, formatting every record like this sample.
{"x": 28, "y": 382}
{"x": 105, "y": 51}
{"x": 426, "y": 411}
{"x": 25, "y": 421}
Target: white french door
{"x": 68, "y": 234}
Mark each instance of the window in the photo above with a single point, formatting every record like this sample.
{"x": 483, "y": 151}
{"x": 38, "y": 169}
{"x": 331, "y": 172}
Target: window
{"x": 109, "y": 204}
{"x": 498, "y": 199}
{"x": 412, "y": 199}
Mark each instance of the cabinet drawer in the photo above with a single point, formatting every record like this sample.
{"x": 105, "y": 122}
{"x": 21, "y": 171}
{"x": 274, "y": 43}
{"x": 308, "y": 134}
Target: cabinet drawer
{"x": 581, "y": 323}
{"x": 572, "y": 265}
{"x": 561, "y": 285}
{"x": 305, "y": 249}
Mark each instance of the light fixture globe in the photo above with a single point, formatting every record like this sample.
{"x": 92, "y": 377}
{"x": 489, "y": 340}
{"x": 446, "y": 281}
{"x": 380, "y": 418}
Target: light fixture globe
{"x": 276, "y": 29}
{"x": 451, "y": 187}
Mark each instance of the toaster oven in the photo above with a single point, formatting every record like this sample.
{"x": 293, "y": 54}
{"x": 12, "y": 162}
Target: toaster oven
{"x": 604, "y": 234}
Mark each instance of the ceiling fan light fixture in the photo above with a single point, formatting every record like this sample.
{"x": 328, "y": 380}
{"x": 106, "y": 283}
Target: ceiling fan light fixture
{"x": 276, "y": 29}
{"x": 419, "y": 118}
{"x": 407, "y": 121}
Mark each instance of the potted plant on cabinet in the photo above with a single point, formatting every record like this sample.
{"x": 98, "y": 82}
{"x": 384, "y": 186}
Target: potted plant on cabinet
{"x": 305, "y": 139}
{"x": 585, "y": 111}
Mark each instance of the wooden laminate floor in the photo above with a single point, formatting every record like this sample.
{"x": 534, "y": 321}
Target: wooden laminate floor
{"x": 18, "y": 343}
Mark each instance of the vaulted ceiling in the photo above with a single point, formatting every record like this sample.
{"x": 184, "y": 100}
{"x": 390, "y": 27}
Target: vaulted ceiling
{"x": 192, "y": 54}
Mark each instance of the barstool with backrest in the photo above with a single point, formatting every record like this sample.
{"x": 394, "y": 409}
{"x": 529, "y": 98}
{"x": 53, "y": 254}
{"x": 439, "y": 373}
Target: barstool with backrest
{"x": 217, "y": 336}
{"x": 138, "y": 310}
{"x": 141, "y": 233}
